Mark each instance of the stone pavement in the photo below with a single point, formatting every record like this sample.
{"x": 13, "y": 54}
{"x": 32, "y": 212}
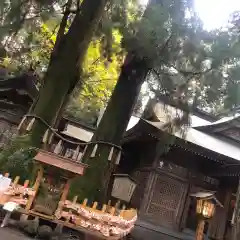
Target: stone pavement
{"x": 10, "y": 234}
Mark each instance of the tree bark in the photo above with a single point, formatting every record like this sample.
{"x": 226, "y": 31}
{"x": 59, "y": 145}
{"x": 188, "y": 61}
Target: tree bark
{"x": 95, "y": 183}
{"x": 63, "y": 70}
{"x": 236, "y": 220}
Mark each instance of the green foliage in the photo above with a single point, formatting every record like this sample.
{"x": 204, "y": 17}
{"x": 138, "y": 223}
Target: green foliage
{"x": 100, "y": 70}
{"x": 188, "y": 48}
{"x": 99, "y": 78}
{"x": 187, "y": 63}
{"x": 17, "y": 157}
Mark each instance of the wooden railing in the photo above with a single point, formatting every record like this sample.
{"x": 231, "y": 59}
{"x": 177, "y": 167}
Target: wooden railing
{"x": 17, "y": 193}
{"x": 111, "y": 222}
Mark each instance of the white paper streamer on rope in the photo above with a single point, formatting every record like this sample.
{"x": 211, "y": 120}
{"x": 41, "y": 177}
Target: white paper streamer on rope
{"x": 118, "y": 157}
{"x": 75, "y": 155}
{"x": 58, "y": 148}
{"x": 30, "y": 125}
{"x": 93, "y": 154}
{"x": 110, "y": 154}
{"x": 21, "y": 123}
{"x": 79, "y": 158}
{"x": 50, "y": 138}
{"x": 45, "y": 136}
{"x": 85, "y": 149}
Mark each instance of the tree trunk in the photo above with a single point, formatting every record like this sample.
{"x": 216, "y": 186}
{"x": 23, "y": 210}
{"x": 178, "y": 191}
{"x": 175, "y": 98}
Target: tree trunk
{"x": 236, "y": 220}
{"x": 63, "y": 70}
{"x": 113, "y": 124}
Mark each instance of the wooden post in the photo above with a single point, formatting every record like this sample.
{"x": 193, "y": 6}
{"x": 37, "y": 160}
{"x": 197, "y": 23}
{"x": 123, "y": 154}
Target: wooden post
{"x": 200, "y": 229}
{"x": 70, "y": 212}
{"x": 26, "y": 183}
{"x": 95, "y": 205}
{"x": 35, "y": 188}
{"x": 75, "y": 199}
{"x": 112, "y": 211}
{"x": 16, "y": 180}
{"x": 64, "y": 195}
{"x": 85, "y": 202}
{"x": 104, "y": 208}
{"x": 217, "y": 224}
{"x": 65, "y": 190}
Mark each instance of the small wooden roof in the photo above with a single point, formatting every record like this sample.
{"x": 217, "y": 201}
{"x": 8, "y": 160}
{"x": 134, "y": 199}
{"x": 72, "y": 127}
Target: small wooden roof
{"x": 207, "y": 196}
{"x": 60, "y": 162}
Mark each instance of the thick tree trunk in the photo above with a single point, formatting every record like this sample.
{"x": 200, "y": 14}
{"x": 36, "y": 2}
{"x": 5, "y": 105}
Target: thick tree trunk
{"x": 113, "y": 124}
{"x": 119, "y": 110}
{"x": 63, "y": 69}
{"x": 236, "y": 220}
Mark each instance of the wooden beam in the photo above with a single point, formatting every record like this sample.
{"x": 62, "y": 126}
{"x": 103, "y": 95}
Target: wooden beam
{"x": 35, "y": 188}
{"x": 64, "y": 196}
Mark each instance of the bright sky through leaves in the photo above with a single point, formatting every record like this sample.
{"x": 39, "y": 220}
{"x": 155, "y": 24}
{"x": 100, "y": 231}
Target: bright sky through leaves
{"x": 214, "y": 13}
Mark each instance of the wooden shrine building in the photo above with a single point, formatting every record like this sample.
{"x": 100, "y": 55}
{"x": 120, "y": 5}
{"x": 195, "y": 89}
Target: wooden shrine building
{"x": 205, "y": 158}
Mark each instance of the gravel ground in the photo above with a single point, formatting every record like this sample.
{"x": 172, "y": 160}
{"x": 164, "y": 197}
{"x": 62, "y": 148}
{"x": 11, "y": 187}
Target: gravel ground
{"x": 10, "y": 234}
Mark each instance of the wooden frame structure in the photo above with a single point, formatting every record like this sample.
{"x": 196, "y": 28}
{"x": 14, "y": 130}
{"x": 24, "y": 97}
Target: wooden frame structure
{"x": 107, "y": 223}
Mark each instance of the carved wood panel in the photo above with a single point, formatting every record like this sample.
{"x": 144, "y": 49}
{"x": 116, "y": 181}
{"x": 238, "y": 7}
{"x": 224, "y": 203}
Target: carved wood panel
{"x": 165, "y": 201}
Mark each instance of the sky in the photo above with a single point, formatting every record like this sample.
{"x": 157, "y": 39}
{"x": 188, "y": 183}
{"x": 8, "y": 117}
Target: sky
{"x": 214, "y": 13}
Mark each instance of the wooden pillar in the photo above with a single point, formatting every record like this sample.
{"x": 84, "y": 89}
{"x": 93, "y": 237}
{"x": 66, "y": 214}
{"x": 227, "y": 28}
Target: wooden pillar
{"x": 63, "y": 197}
{"x": 200, "y": 230}
{"x": 147, "y": 192}
{"x": 35, "y": 188}
{"x": 65, "y": 190}
{"x": 218, "y": 223}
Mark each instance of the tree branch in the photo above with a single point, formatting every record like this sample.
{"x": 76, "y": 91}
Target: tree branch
{"x": 63, "y": 25}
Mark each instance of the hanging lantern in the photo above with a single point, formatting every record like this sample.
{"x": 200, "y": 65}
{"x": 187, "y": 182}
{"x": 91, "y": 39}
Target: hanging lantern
{"x": 123, "y": 187}
{"x": 206, "y": 204}
{"x": 206, "y": 208}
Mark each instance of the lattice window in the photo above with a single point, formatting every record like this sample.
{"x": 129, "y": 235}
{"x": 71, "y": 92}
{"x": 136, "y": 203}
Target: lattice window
{"x": 165, "y": 199}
